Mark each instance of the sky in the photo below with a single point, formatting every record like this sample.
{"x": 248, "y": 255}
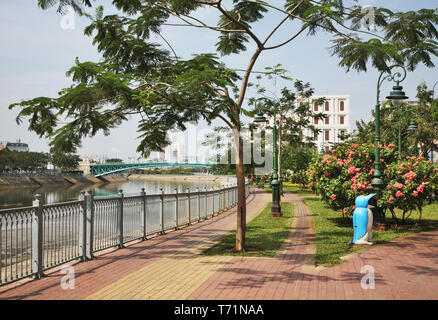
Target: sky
{"x": 38, "y": 46}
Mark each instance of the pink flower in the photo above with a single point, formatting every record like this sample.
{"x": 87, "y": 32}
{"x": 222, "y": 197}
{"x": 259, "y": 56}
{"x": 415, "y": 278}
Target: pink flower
{"x": 410, "y": 175}
{"x": 400, "y": 167}
{"x": 354, "y": 145}
{"x": 333, "y": 196}
{"x": 390, "y": 199}
{"x": 333, "y": 151}
{"x": 371, "y": 172}
{"x": 391, "y": 145}
{"x": 389, "y": 187}
{"x": 326, "y": 173}
{"x": 416, "y": 164}
{"x": 415, "y": 193}
{"x": 399, "y": 185}
{"x": 351, "y": 169}
{"x": 399, "y": 194}
{"x": 420, "y": 188}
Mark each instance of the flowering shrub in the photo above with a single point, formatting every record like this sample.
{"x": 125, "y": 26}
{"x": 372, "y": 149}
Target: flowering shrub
{"x": 411, "y": 182}
{"x": 347, "y": 172}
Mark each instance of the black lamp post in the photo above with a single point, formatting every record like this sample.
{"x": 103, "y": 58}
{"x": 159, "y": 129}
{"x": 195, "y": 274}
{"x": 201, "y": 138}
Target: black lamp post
{"x": 397, "y": 95}
{"x": 275, "y": 183}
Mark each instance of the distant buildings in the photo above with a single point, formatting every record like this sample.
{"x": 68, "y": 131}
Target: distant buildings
{"x": 14, "y": 146}
{"x": 336, "y": 123}
{"x": 336, "y": 109}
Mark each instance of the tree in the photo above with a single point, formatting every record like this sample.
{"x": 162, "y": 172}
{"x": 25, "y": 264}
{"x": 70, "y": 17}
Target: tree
{"x": 65, "y": 162}
{"x": 137, "y": 76}
{"x": 114, "y": 160}
{"x": 30, "y": 161}
{"x": 292, "y": 109}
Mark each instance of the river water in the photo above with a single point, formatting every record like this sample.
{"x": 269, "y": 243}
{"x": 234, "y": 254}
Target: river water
{"x": 22, "y": 197}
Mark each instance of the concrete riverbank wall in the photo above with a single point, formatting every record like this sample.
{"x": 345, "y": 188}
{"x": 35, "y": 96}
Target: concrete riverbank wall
{"x": 38, "y": 181}
{"x": 220, "y": 180}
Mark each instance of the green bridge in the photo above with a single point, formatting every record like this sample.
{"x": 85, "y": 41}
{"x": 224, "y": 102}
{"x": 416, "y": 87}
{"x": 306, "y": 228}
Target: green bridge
{"x": 102, "y": 169}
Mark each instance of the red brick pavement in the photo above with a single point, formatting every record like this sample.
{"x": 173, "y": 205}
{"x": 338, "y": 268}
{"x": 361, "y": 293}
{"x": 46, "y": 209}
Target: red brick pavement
{"x": 109, "y": 267}
{"x": 405, "y": 268}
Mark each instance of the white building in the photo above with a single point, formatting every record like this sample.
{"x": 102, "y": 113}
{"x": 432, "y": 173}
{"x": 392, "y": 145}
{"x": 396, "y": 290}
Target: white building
{"x": 337, "y": 121}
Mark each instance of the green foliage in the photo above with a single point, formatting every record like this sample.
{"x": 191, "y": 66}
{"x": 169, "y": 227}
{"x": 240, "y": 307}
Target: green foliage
{"x": 115, "y": 160}
{"x": 14, "y": 160}
{"x": 138, "y": 76}
{"x": 346, "y": 173}
{"x": 65, "y": 162}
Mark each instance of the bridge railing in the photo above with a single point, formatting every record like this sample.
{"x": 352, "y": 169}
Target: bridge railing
{"x": 40, "y": 237}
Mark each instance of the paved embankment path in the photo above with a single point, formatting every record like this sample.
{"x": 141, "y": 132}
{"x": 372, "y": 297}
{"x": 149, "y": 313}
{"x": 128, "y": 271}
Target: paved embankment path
{"x": 171, "y": 267}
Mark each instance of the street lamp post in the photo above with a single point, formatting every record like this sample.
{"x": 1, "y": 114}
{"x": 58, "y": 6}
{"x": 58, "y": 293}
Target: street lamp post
{"x": 396, "y": 95}
{"x": 411, "y": 127}
{"x": 275, "y": 183}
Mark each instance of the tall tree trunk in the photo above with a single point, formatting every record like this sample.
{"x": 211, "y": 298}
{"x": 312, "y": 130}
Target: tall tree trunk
{"x": 241, "y": 204}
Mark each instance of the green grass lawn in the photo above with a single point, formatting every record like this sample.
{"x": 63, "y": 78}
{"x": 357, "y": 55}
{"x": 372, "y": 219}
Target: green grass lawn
{"x": 334, "y": 233}
{"x": 292, "y": 187}
{"x": 264, "y": 234}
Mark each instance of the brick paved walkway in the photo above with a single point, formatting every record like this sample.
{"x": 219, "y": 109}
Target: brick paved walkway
{"x": 170, "y": 267}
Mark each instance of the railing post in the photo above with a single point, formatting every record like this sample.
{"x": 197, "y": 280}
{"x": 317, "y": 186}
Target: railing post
{"x": 143, "y": 227}
{"x": 162, "y": 210}
{"x": 205, "y": 199}
{"x": 120, "y": 219}
{"x": 176, "y": 209}
{"x": 37, "y": 237}
{"x": 89, "y": 229}
{"x": 212, "y": 189}
{"x": 83, "y": 228}
{"x": 188, "y": 206}
{"x": 228, "y": 196}
{"x": 199, "y": 204}
{"x": 223, "y": 198}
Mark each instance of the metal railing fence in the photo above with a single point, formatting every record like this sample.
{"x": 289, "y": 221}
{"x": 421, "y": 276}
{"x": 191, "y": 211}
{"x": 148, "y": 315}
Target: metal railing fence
{"x": 40, "y": 237}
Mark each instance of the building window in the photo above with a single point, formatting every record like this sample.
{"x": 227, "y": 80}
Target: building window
{"x": 327, "y": 121}
{"x": 315, "y": 106}
{"x": 341, "y": 120}
{"x": 327, "y": 135}
{"x": 315, "y": 136}
{"x": 342, "y": 132}
{"x": 327, "y": 106}
{"x": 315, "y": 120}
{"x": 341, "y": 107}
{"x": 301, "y": 118}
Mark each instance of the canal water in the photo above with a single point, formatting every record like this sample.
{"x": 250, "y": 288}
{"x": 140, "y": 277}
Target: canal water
{"x": 22, "y": 197}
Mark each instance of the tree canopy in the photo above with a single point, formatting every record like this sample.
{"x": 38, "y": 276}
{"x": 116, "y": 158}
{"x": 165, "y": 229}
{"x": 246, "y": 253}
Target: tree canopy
{"x": 138, "y": 76}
